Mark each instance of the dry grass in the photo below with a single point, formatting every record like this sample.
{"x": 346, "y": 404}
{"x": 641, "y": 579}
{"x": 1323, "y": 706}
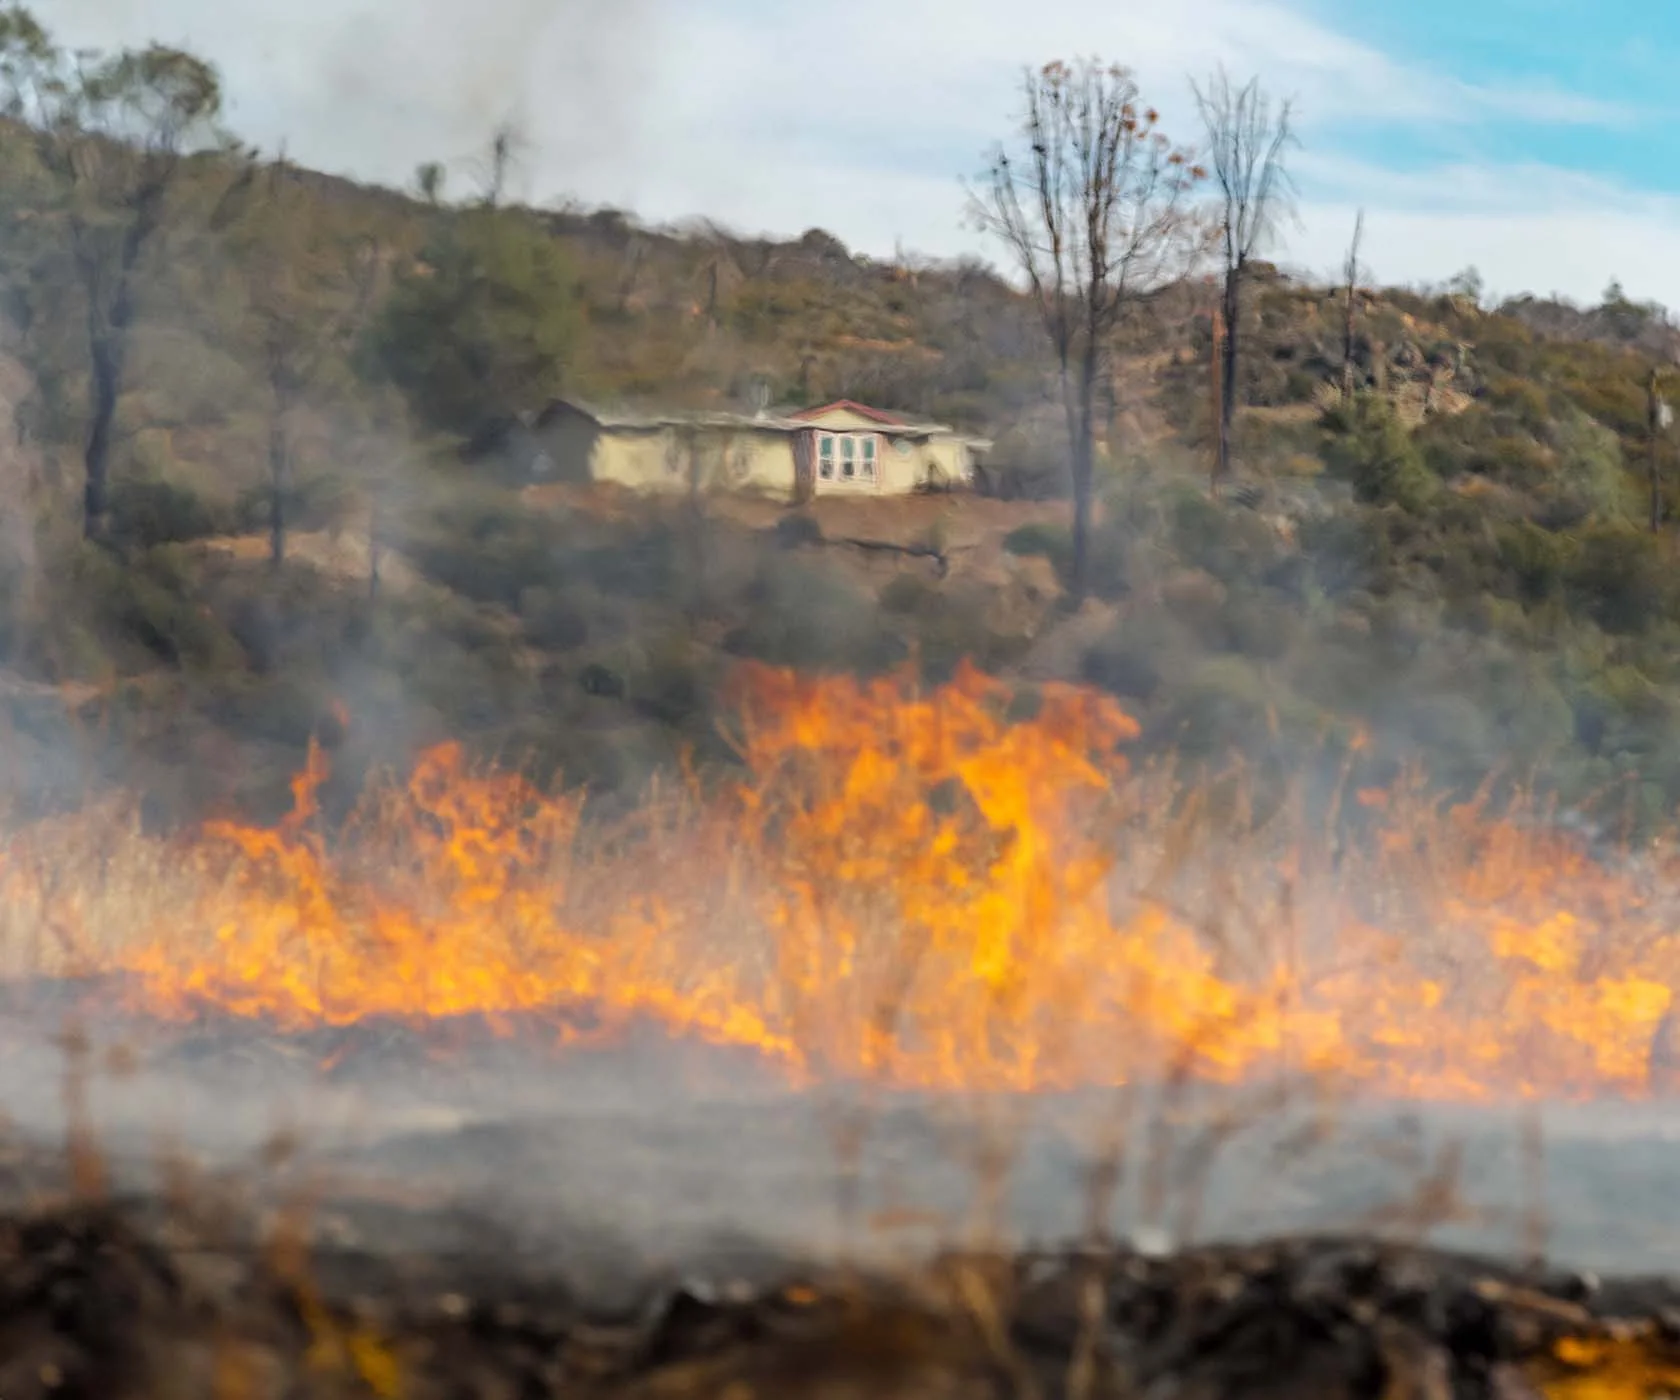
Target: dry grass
{"x": 990, "y": 912}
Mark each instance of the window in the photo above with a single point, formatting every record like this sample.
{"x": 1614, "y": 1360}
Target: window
{"x": 846, "y": 456}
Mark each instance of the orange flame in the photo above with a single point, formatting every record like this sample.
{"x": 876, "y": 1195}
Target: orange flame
{"x": 919, "y": 888}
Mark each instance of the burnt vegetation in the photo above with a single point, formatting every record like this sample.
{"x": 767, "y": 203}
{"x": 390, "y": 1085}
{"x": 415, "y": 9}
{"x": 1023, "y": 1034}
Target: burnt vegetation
{"x": 1328, "y": 1317}
{"x": 252, "y": 470}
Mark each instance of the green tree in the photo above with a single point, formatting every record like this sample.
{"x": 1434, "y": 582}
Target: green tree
{"x": 113, "y": 134}
{"x": 481, "y": 327}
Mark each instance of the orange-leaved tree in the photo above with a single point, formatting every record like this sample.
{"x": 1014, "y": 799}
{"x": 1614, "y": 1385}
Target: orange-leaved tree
{"x": 1093, "y": 205}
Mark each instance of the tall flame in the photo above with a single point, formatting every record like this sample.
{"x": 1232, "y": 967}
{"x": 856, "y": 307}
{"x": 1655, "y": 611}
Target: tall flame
{"x": 918, "y": 888}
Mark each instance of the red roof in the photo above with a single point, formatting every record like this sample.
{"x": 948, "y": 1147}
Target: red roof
{"x": 874, "y": 414}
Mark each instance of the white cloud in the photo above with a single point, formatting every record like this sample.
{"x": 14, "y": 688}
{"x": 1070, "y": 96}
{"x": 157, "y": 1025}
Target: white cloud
{"x": 863, "y": 119}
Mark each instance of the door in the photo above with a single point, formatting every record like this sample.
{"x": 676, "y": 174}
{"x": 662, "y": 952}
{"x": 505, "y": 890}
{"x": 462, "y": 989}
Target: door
{"x": 804, "y": 466}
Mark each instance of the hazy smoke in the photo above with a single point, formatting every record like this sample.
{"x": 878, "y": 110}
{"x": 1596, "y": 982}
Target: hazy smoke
{"x": 378, "y": 87}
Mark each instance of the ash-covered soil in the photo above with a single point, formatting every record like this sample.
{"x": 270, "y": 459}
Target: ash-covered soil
{"x": 639, "y": 1155}
{"x": 672, "y": 1153}
{"x": 98, "y": 1300}
{"x": 381, "y": 1211}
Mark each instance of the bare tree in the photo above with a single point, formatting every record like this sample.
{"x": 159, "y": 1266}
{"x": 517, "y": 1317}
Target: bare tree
{"x": 508, "y": 145}
{"x": 113, "y": 133}
{"x": 1094, "y": 209}
{"x": 309, "y": 287}
{"x": 1247, "y": 141}
{"x": 1350, "y": 279}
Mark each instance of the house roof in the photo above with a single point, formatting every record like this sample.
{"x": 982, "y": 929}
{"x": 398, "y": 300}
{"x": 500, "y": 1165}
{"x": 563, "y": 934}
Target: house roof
{"x": 875, "y": 415}
{"x": 780, "y": 421}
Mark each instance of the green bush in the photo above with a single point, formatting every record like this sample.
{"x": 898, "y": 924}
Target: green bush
{"x": 1370, "y": 448}
{"x": 489, "y": 548}
{"x": 805, "y": 611}
{"x": 1229, "y": 705}
{"x": 951, "y": 629}
{"x": 1539, "y": 560}
{"x": 148, "y": 610}
{"x": 552, "y": 620}
{"x": 906, "y": 595}
{"x": 1619, "y": 578}
{"x": 1044, "y": 540}
{"x": 1235, "y": 545}
{"x": 148, "y": 511}
{"x": 797, "y": 529}
{"x": 675, "y": 681}
{"x": 1591, "y": 478}
{"x": 1128, "y": 661}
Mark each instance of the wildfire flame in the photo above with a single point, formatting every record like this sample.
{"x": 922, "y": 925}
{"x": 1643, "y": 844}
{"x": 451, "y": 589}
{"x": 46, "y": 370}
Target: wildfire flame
{"x": 919, "y": 888}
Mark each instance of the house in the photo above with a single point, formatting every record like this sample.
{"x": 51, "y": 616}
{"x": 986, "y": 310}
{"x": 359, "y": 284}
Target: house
{"x": 841, "y": 448}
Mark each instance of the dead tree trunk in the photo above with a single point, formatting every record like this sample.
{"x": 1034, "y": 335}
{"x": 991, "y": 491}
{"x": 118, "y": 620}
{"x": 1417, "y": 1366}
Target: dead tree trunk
{"x": 104, "y": 387}
{"x": 375, "y": 546}
{"x": 279, "y": 457}
{"x": 1654, "y": 415}
{"x": 1352, "y": 275}
{"x": 1218, "y": 369}
{"x": 1225, "y": 348}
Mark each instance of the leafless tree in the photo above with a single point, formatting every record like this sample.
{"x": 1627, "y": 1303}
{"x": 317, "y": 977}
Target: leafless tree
{"x": 1094, "y": 208}
{"x": 1350, "y": 279}
{"x": 1247, "y": 141}
{"x": 293, "y": 263}
{"x": 508, "y": 146}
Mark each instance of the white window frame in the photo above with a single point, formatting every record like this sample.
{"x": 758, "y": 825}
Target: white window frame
{"x": 837, "y": 450}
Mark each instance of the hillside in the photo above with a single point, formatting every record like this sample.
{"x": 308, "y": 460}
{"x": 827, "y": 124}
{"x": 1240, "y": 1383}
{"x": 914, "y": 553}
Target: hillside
{"x": 1452, "y": 569}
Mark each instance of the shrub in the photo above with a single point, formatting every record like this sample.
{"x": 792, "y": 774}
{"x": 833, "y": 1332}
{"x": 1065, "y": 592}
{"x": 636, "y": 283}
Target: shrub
{"x": 1591, "y": 477}
{"x": 1371, "y": 449}
{"x": 1128, "y": 661}
{"x": 1234, "y": 545}
{"x": 489, "y": 548}
{"x": 1228, "y": 704}
{"x": 1619, "y": 578}
{"x": 149, "y": 511}
{"x": 1537, "y": 559}
{"x": 796, "y": 529}
{"x": 1044, "y": 540}
{"x": 905, "y": 595}
{"x": 673, "y": 682}
{"x": 804, "y": 611}
{"x": 133, "y": 606}
{"x": 552, "y": 620}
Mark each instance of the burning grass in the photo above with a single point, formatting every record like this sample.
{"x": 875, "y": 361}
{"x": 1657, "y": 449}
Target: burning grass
{"x": 920, "y": 889}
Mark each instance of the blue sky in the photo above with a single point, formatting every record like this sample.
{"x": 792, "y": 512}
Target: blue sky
{"x": 1605, "y": 71}
{"x": 1536, "y": 139}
